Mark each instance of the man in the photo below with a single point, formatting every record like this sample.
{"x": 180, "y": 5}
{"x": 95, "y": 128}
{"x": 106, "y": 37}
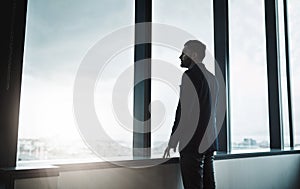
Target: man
{"x": 195, "y": 122}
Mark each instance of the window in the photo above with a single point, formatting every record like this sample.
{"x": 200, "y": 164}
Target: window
{"x": 248, "y": 76}
{"x": 196, "y": 18}
{"x": 294, "y": 40}
{"x": 58, "y": 36}
{"x": 283, "y": 75}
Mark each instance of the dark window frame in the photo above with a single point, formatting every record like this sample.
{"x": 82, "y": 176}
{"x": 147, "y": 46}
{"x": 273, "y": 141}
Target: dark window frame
{"x": 12, "y": 41}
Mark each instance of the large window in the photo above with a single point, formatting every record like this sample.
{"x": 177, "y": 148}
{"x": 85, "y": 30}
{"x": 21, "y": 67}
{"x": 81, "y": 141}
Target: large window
{"x": 248, "y": 75}
{"x": 294, "y": 41}
{"x": 196, "y": 19}
{"x": 59, "y": 34}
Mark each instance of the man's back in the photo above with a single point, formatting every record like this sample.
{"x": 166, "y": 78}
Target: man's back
{"x": 195, "y": 111}
{"x": 207, "y": 88}
{"x": 210, "y": 139}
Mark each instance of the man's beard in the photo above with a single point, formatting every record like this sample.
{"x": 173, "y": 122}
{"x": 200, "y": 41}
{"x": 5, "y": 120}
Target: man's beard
{"x": 186, "y": 63}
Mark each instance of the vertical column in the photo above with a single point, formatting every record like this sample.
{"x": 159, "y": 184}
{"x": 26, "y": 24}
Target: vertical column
{"x": 13, "y": 15}
{"x": 274, "y": 89}
{"x": 12, "y": 46}
{"x": 221, "y": 56}
{"x": 142, "y": 88}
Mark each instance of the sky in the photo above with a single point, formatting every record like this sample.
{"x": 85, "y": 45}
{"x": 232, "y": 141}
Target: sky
{"x": 294, "y": 41}
{"x": 248, "y": 71}
{"x": 60, "y": 33}
{"x": 199, "y": 24}
{"x": 58, "y": 36}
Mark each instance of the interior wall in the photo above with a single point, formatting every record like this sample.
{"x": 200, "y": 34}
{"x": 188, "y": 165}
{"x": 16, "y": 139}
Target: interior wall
{"x": 276, "y": 172}
{"x": 37, "y": 183}
{"x": 134, "y": 178}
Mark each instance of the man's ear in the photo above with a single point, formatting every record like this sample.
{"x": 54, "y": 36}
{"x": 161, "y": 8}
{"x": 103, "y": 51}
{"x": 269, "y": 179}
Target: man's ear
{"x": 194, "y": 56}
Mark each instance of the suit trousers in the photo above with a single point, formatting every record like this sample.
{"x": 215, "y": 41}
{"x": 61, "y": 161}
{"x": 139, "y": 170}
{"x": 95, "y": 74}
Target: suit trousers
{"x": 197, "y": 170}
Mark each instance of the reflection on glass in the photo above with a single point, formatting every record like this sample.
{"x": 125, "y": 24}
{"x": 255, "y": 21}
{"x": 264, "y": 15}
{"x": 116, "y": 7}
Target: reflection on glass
{"x": 248, "y": 75}
{"x": 294, "y": 42}
{"x": 58, "y": 36}
{"x": 196, "y": 18}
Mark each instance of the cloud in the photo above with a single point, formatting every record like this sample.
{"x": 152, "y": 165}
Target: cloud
{"x": 59, "y": 33}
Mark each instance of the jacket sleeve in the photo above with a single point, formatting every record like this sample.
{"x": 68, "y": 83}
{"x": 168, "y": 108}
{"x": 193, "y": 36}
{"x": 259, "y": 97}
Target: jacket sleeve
{"x": 174, "y": 141}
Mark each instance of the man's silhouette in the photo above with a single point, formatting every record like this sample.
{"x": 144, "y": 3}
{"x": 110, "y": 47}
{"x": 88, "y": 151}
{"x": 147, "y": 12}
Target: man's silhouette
{"x": 195, "y": 122}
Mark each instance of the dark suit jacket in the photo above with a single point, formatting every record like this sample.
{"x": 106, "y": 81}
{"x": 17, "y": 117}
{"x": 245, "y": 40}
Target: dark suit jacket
{"x": 195, "y": 120}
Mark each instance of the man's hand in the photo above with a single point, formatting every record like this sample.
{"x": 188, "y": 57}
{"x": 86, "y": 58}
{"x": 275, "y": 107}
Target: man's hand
{"x": 167, "y": 152}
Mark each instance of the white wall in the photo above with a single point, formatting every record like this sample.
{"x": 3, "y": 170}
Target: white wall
{"x": 276, "y": 172}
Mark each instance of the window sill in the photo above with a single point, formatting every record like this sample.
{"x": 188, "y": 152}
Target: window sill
{"x": 28, "y": 172}
{"x": 251, "y": 153}
{"x": 24, "y": 171}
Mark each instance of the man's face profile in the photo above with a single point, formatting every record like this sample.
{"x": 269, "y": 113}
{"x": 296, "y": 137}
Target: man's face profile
{"x": 186, "y": 61}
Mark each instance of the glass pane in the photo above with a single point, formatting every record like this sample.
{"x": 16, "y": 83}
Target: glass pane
{"x": 284, "y": 94}
{"x": 294, "y": 42}
{"x": 59, "y": 35}
{"x": 195, "y": 18}
{"x": 248, "y": 75}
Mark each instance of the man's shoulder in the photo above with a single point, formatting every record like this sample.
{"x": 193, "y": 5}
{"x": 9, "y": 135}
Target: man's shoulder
{"x": 195, "y": 72}
{"x": 187, "y": 73}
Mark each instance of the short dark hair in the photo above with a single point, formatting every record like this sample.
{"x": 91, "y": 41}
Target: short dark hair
{"x": 197, "y": 47}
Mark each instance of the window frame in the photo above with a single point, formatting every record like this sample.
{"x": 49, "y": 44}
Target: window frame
{"x": 11, "y": 71}
{"x": 14, "y": 14}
